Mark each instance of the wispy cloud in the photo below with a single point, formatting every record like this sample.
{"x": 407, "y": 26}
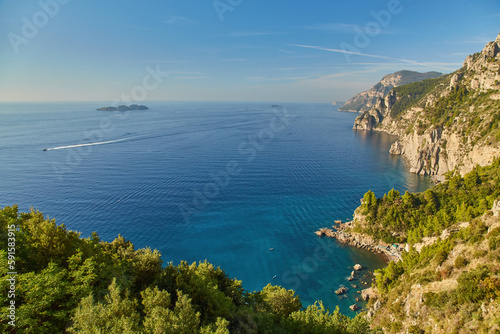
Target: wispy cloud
{"x": 313, "y": 79}
{"x": 177, "y": 20}
{"x": 334, "y": 27}
{"x": 346, "y": 52}
{"x": 253, "y": 33}
{"x": 188, "y": 75}
{"x": 470, "y": 41}
{"x": 191, "y": 77}
{"x": 344, "y": 28}
{"x": 402, "y": 60}
{"x": 274, "y": 79}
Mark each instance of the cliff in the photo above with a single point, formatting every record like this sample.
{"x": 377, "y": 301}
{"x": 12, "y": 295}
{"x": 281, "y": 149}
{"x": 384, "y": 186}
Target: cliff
{"x": 444, "y": 247}
{"x": 448, "y": 278}
{"x": 451, "y": 122}
{"x": 366, "y": 100}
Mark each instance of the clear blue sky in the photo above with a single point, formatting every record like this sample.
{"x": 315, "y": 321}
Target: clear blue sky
{"x": 275, "y": 50}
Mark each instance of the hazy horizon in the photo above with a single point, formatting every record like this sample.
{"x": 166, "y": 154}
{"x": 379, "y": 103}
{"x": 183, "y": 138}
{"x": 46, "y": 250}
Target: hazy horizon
{"x": 61, "y": 50}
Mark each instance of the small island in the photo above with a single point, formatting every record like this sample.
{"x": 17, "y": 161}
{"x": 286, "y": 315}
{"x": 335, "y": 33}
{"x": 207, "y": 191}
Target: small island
{"x": 124, "y": 108}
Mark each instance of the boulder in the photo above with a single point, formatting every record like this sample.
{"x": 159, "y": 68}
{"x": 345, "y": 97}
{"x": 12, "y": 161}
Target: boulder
{"x": 396, "y": 148}
{"x": 358, "y": 267}
{"x": 365, "y": 296}
{"x": 354, "y": 307}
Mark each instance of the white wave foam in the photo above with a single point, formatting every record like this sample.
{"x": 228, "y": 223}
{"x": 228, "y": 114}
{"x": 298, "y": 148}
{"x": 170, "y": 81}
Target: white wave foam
{"x": 92, "y": 144}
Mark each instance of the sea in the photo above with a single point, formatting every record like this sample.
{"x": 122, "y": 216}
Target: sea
{"x": 241, "y": 185}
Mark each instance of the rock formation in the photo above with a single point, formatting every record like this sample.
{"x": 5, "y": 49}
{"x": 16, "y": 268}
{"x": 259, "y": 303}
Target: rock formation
{"x": 366, "y": 100}
{"x": 370, "y": 119}
{"x": 451, "y": 124}
{"x": 341, "y": 290}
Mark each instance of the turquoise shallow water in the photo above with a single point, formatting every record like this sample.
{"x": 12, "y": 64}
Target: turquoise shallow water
{"x": 224, "y": 182}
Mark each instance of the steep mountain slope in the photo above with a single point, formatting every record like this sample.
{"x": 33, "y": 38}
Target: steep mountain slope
{"x": 451, "y": 122}
{"x": 448, "y": 278}
{"x": 365, "y": 100}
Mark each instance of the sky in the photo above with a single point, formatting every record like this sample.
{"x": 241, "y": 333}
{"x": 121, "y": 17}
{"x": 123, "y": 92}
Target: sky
{"x": 229, "y": 50}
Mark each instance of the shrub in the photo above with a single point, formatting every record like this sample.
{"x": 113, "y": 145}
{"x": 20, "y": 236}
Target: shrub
{"x": 440, "y": 256}
{"x": 461, "y": 262}
{"x": 444, "y": 273}
{"x": 494, "y": 239}
{"x": 469, "y": 289}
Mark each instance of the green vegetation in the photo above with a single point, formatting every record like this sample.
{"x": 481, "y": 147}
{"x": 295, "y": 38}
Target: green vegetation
{"x": 412, "y": 216}
{"x": 361, "y": 101}
{"x": 456, "y": 273}
{"x": 409, "y": 95}
{"x": 66, "y": 283}
{"x": 470, "y": 113}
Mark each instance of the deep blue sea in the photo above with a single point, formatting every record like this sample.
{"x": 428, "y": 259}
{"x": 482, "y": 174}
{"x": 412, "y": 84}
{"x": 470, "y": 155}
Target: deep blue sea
{"x": 226, "y": 182}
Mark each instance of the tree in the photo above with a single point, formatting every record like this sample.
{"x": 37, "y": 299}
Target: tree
{"x": 44, "y": 299}
{"x": 220, "y": 327}
{"x": 184, "y": 320}
{"x": 369, "y": 202}
{"x": 393, "y": 195}
{"x": 280, "y": 301}
{"x": 116, "y": 315}
{"x": 147, "y": 267}
{"x": 156, "y": 307}
{"x": 472, "y": 179}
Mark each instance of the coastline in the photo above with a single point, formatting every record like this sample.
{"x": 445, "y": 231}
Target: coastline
{"x": 342, "y": 232}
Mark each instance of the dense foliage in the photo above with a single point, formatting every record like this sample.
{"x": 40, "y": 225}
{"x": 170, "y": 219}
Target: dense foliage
{"x": 410, "y": 94}
{"x": 412, "y": 216}
{"x": 66, "y": 283}
{"x": 450, "y": 103}
{"x": 453, "y": 278}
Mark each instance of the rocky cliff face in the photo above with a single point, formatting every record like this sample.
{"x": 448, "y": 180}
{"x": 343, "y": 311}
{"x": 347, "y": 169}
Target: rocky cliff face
{"x": 454, "y": 125}
{"x": 370, "y": 119}
{"x": 366, "y": 100}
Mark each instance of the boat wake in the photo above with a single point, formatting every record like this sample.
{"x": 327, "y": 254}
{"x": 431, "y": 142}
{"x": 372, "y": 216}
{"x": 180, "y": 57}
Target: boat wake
{"x": 95, "y": 143}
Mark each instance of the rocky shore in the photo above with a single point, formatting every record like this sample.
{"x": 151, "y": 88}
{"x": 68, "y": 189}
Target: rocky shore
{"x": 343, "y": 233}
